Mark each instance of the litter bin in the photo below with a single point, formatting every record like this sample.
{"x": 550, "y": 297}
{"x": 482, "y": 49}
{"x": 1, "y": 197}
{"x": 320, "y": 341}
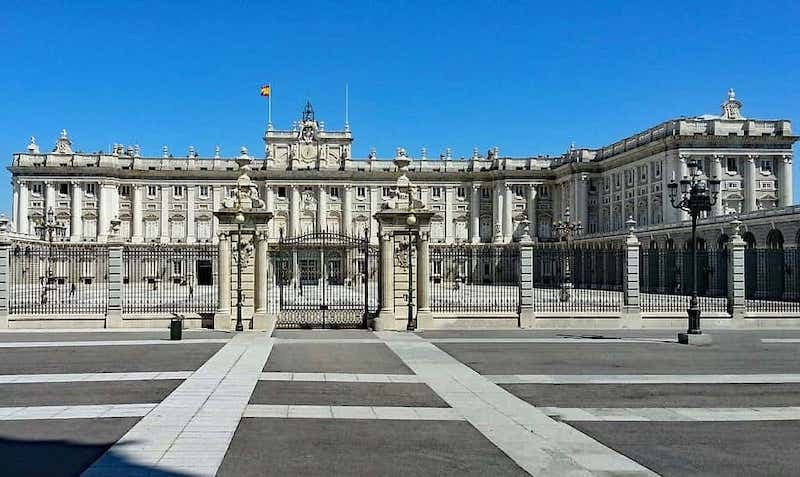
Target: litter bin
{"x": 175, "y": 329}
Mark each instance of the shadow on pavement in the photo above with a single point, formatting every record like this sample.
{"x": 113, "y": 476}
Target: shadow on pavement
{"x": 33, "y": 458}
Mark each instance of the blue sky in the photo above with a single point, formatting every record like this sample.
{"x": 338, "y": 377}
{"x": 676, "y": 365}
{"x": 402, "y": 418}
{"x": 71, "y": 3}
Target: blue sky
{"x": 529, "y": 78}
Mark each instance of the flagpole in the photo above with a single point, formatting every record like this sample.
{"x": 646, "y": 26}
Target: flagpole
{"x": 269, "y": 109}
{"x": 346, "y": 107}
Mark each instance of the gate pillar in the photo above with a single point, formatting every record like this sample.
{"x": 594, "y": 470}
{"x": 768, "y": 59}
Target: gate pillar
{"x": 260, "y": 316}
{"x": 385, "y": 320}
{"x": 222, "y": 318}
{"x": 424, "y": 316}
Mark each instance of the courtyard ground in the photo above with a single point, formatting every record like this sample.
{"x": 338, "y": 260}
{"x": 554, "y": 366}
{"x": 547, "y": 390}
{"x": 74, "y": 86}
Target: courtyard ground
{"x": 436, "y": 403}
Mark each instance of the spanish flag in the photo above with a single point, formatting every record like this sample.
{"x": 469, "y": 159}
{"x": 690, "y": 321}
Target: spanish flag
{"x": 265, "y": 90}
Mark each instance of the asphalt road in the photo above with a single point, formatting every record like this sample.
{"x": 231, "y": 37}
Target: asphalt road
{"x": 326, "y": 447}
{"x": 724, "y": 449}
{"x": 106, "y": 359}
{"x": 345, "y": 394}
{"x": 334, "y": 358}
{"x": 657, "y": 395}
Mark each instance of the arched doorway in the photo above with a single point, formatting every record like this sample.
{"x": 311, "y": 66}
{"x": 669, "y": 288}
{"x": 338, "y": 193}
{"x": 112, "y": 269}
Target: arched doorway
{"x": 774, "y": 265}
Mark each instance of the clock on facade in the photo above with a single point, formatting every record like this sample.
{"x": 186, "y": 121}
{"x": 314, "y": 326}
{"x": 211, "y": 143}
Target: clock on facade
{"x": 308, "y": 152}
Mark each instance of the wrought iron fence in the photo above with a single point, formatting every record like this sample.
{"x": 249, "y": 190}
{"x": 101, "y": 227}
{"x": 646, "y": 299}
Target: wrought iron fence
{"x": 162, "y": 278}
{"x": 582, "y": 279}
{"x": 772, "y": 280}
{"x": 665, "y": 280}
{"x": 57, "y": 279}
{"x": 474, "y": 278}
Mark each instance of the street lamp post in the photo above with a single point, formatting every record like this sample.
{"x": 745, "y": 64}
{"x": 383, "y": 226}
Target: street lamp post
{"x": 567, "y": 230}
{"x": 239, "y": 219}
{"x": 411, "y": 221}
{"x": 697, "y": 195}
{"x": 48, "y": 229}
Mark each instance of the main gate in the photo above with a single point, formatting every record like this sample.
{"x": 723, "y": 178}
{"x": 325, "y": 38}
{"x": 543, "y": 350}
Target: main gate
{"x": 325, "y": 280}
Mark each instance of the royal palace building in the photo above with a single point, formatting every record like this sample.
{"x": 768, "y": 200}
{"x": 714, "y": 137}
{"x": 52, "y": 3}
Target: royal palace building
{"x": 310, "y": 181}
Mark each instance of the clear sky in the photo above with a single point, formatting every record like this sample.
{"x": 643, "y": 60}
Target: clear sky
{"x": 527, "y": 77}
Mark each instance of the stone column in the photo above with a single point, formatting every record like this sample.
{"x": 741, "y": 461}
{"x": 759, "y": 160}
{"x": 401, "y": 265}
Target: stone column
{"x": 347, "y": 210}
{"x": 5, "y": 252}
{"x": 785, "y": 181}
{"x": 190, "y": 225}
{"x": 527, "y": 316}
{"x": 631, "y": 312}
{"x": 294, "y": 211}
{"x": 15, "y": 203}
{"x": 216, "y": 204}
{"x": 136, "y": 216}
{"x": 22, "y": 218}
{"x": 736, "y": 278}
{"x": 260, "y": 321}
{"x": 582, "y": 201}
{"x": 103, "y": 214}
{"x": 531, "y": 206}
{"x": 558, "y": 212}
{"x": 385, "y": 320}
{"x": 164, "y": 214}
{"x": 497, "y": 213}
{"x": 114, "y": 311}
{"x": 749, "y": 184}
{"x": 76, "y": 208}
{"x": 49, "y": 196}
{"x": 269, "y": 203}
{"x": 508, "y": 210}
{"x": 222, "y": 318}
{"x": 683, "y": 171}
{"x": 373, "y": 209}
{"x": 424, "y": 316}
{"x": 322, "y": 208}
{"x": 716, "y": 173}
{"x": 475, "y": 213}
{"x": 449, "y": 224}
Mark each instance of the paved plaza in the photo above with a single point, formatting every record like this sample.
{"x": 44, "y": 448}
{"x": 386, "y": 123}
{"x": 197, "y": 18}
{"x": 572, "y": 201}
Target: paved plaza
{"x": 355, "y": 402}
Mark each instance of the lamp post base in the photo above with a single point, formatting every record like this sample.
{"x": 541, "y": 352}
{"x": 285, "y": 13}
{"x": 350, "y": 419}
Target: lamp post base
{"x": 694, "y": 339}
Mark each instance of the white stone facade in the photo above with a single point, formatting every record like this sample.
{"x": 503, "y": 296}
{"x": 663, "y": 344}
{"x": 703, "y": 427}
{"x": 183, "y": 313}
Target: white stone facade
{"x": 310, "y": 182}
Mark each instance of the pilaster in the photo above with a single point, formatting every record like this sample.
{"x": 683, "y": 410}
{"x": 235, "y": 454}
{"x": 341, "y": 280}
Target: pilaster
{"x": 22, "y": 222}
{"x": 527, "y": 316}
{"x": 260, "y": 317}
{"x": 531, "y": 210}
{"x": 785, "y": 182}
{"x": 190, "y": 224}
{"x": 475, "y": 213}
{"x": 385, "y": 319}
{"x": 5, "y": 251}
{"x": 632, "y": 312}
{"x": 136, "y": 216}
{"x": 716, "y": 173}
{"x": 508, "y": 210}
{"x": 449, "y": 224}
{"x": 164, "y": 214}
{"x": 736, "y": 278}
{"x": 222, "y": 318}
{"x": 347, "y": 210}
{"x": 114, "y": 310}
{"x": 749, "y": 184}
{"x": 76, "y": 209}
{"x": 322, "y": 208}
{"x": 424, "y": 315}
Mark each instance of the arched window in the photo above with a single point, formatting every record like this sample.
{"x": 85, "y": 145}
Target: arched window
{"x": 722, "y": 241}
{"x": 749, "y": 239}
{"x": 775, "y": 239}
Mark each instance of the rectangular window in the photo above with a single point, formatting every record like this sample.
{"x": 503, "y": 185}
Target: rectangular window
{"x": 361, "y": 192}
{"x": 152, "y": 191}
{"x": 204, "y": 191}
{"x": 730, "y": 165}
{"x": 281, "y": 192}
{"x": 90, "y": 190}
{"x": 334, "y": 192}
{"x": 125, "y": 191}
{"x": 63, "y": 189}
{"x": 765, "y": 185}
{"x": 436, "y": 192}
{"x": 461, "y": 192}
